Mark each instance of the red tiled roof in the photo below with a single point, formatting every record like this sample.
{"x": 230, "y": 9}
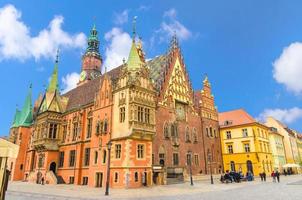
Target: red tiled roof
{"x": 234, "y": 118}
{"x": 84, "y": 94}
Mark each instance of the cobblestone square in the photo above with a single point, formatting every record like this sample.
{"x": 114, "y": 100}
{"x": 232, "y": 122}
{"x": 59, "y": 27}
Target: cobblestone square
{"x": 289, "y": 188}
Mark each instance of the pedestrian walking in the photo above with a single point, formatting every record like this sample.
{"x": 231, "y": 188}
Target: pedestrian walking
{"x": 261, "y": 177}
{"x": 277, "y": 174}
{"x": 264, "y": 176}
{"x": 273, "y": 176}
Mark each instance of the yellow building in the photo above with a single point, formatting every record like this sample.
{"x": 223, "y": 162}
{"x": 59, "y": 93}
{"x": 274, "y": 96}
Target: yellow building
{"x": 277, "y": 148}
{"x": 299, "y": 144}
{"x": 245, "y": 143}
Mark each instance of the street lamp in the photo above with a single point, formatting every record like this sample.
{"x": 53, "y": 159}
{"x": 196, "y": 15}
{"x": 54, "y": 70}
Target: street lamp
{"x": 190, "y": 165}
{"x": 210, "y": 162}
{"x": 108, "y": 168}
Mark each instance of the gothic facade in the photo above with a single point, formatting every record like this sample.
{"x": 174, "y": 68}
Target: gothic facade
{"x": 142, "y": 118}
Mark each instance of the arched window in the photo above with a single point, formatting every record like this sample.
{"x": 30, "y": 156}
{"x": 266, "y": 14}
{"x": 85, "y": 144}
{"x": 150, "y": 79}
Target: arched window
{"x": 211, "y": 132}
{"x": 187, "y": 135}
{"x": 172, "y": 130}
{"x": 207, "y": 132}
{"x": 166, "y": 130}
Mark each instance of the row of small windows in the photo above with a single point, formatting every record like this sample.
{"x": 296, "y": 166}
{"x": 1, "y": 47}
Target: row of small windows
{"x": 244, "y": 133}
{"x": 101, "y": 128}
{"x": 171, "y": 129}
{"x": 118, "y": 152}
{"x": 246, "y": 147}
{"x": 175, "y": 157}
{"x": 211, "y": 132}
{"x": 136, "y": 177}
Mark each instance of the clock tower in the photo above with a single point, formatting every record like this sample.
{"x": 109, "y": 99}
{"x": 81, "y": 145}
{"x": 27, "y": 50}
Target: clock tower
{"x": 91, "y": 60}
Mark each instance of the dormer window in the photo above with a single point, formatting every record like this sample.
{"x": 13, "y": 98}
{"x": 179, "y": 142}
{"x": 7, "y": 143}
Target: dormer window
{"x": 227, "y": 122}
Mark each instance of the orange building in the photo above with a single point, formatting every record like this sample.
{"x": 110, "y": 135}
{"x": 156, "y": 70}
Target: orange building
{"x": 129, "y": 117}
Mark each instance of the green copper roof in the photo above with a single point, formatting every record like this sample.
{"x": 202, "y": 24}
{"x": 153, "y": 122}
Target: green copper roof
{"x": 93, "y": 42}
{"x": 53, "y": 85}
{"x": 134, "y": 61}
{"x": 16, "y": 119}
{"x": 25, "y": 116}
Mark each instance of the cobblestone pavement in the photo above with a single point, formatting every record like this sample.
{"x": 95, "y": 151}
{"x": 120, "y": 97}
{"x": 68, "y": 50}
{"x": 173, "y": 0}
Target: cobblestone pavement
{"x": 289, "y": 189}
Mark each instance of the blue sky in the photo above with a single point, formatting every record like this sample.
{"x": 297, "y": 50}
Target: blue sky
{"x": 249, "y": 49}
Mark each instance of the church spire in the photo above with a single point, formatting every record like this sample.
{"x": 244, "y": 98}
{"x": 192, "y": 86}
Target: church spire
{"x": 53, "y": 85}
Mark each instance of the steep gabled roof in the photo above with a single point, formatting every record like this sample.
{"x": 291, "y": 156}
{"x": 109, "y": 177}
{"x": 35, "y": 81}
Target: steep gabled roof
{"x": 84, "y": 94}
{"x": 25, "y": 116}
{"x": 235, "y": 118}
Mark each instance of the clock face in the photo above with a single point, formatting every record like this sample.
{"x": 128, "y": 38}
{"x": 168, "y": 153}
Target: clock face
{"x": 180, "y": 111}
{"x": 83, "y": 75}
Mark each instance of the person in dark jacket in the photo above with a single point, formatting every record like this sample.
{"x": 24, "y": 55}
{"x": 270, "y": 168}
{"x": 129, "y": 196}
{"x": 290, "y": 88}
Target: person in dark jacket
{"x": 264, "y": 176}
{"x": 277, "y": 174}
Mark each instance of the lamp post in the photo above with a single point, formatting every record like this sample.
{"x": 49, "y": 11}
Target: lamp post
{"x": 190, "y": 165}
{"x": 210, "y": 162}
{"x": 108, "y": 168}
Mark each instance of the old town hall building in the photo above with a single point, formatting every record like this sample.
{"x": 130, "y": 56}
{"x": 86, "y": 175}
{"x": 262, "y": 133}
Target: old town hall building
{"x": 142, "y": 119}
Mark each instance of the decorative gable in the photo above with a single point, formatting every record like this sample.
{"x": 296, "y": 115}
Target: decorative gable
{"x": 178, "y": 86}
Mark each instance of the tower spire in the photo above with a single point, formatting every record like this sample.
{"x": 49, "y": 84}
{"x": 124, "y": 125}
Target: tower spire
{"x": 134, "y": 28}
{"x": 53, "y": 85}
{"x": 25, "y": 116}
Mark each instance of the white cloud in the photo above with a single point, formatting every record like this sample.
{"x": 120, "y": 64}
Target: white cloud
{"x": 121, "y": 18}
{"x": 170, "y": 26}
{"x": 70, "y": 81}
{"x": 286, "y": 116}
{"x": 17, "y": 43}
{"x": 119, "y": 44}
{"x": 144, "y": 8}
{"x": 288, "y": 68}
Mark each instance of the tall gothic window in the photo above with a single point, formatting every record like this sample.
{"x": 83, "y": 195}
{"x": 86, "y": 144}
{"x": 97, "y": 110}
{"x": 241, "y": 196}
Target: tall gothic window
{"x": 166, "y": 130}
{"x": 211, "y": 132}
{"x": 64, "y": 132}
{"x": 98, "y": 128}
{"x": 75, "y": 131}
{"x": 122, "y": 114}
{"x": 87, "y": 157}
{"x": 105, "y": 128}
{"x": 89, "y": 127}
{"x": 140, "y": 151}
{"x": 187, "y": 134}
{"x": 147, "y": 115}
{"x": 72, "y": 158}
{"x": 118, "y": 150}
{"x": 52, "y": 134}
{"x": 195, "y": 139}
{"x": 61, "y": 159}
{"x": 207, "y": 132}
